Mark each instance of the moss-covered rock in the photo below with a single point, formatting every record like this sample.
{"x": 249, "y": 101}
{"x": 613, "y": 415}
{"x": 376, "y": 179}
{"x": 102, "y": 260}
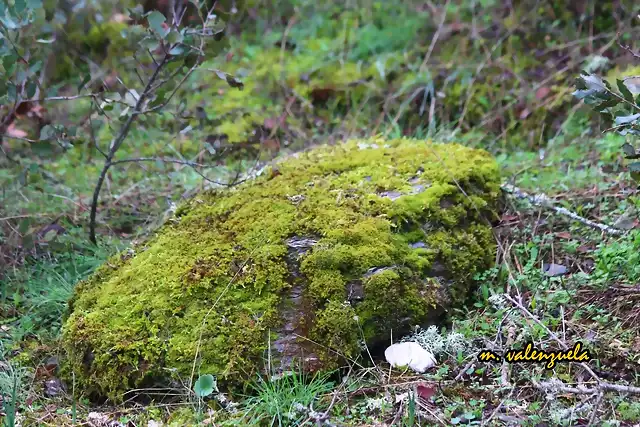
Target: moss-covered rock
{"x": 334, "y": 245}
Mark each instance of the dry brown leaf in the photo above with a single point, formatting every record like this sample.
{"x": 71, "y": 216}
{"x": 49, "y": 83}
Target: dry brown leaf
{"x": 14, "y": 132}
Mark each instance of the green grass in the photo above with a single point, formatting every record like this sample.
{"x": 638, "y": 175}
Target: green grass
{"x": 385, "y": 42}
{"x": 286, "y": 401}
{"x": 35, "y": 295}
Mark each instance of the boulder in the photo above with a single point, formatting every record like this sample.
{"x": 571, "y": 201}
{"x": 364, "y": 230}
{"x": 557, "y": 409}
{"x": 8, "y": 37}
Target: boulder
{"x": 333, "y": 248}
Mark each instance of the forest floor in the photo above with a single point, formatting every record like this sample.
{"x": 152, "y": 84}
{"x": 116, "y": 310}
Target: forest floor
{"x": 326, "y": 73}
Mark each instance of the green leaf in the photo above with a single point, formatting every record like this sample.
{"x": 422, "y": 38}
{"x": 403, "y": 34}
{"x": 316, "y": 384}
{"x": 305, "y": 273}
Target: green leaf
{"x": 24, "y": 226}
{"x": 610, "y": 103}
{"x": 624, "y": 90}
{"x": 205, "y": 385}
{"x": 20, "y": 6}
{"x": 47, "y": 132}
{"x": 233, "y": 82}
{"x": 174, "y": 37}
{"x": 624, "y": 120}
{"x": 155, "y": 20}
{"x": 136, "y": 13}
{"x": 589, "y": 85}
{"x": 9, "y": 23}
{"x": 161, "y": 96}
{"x": 50, "y": 235}
{"x": 35, "y": 67}
{"x": 149, "y": 43}
{"x": 633, "y": 84}
{"x": 84, "y": 81}
{"x": 629, "y": 151}
{"x": 176, "y": 50}
{"x": 31, "y": 89}
{"x": 191, "y": 60}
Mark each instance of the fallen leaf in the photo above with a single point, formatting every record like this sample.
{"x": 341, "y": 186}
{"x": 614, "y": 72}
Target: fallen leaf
{"x": 553, "y": 270}
{"x": 563, "y": 235}
{"x": 426, "y": 391}
{"x": 583, "y": 249}
{"x": 14, "y": 132}
{"x": 508, "y": 218}
{"x": 272, "y": 145}
{"x": 542, "y": 93}
{"x": 53, "y": 387}
{"x": 625, "y": 222}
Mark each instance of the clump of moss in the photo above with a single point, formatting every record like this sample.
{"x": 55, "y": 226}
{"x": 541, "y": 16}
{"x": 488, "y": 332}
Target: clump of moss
{"x": 399, "y": 229}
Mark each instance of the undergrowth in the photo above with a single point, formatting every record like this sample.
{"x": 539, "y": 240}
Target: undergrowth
{"x": 495, "y": 76}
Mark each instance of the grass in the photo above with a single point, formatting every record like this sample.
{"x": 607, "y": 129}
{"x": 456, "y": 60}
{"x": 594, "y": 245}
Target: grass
{"x": 285, "y": 401}
{"x": 541, "y": 142}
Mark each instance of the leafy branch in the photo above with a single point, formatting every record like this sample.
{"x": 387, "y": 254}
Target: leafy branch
{"x": 621, "y": 108}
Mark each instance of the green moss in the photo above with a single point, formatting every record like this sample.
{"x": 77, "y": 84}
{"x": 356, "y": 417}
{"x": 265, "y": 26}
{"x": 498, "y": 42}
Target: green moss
{"x": 218, "y": 272}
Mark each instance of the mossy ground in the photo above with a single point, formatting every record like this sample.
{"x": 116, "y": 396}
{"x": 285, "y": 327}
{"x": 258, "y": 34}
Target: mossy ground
{"x": 144, "y": 314}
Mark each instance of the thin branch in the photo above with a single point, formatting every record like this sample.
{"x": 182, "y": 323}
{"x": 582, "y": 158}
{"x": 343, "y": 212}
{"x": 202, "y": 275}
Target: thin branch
{"x": 93, "y": 137}
{"x": 594, "y": 414}
{"x": 436, "y": 35}
{"x": 159, "y": 159}
{"x": 18, "y": 138}
{"x": 557, "y": 386}
{"x": 64, "y": 98}
{"x": 178, "y": 86}
{"x": 551, "y": 334}
{"x": 116, "y": 145}
{"x": 542, "y": 200}
{"x": 627, "y": 48}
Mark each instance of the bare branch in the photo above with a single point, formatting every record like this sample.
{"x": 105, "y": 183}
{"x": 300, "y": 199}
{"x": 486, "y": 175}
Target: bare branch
{"x": 93, "y": 138}
{"x": 116, "y": 145}
{"x": 627, "y": 48}
{"x": 544, "y": 201}
{"x": 159, "y": 159}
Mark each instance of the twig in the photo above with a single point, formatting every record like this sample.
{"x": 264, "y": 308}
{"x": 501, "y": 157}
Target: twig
{"x": 596, "y": 406}
{"x": 557, "y": 386}
{"x": 551, "y": 334}
{"x": 627, "y": 48}
{"x": 542, "y": 200}
{"x": 19, "y": 138}
{"x": 601, "y": 385}
{"x": 159, "y": 159}
{"x": 436, "y": 35}
{"x": 504, "y": 377}
{"x": 498, "y": 408}
{"x": 115, "y": 145}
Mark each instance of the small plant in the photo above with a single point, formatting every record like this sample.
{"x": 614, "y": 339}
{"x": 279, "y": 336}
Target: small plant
{"x": 620, "y": 107}
{"x": 287, "y": 400}
{"x": 205, "y": 385}
{"x": 11, "y": 381}
{"x": 173, "y": 47}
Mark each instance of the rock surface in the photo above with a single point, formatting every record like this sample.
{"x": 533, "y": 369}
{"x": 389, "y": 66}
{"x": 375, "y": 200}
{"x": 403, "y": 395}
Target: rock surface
{"x": 345, "y": 243}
